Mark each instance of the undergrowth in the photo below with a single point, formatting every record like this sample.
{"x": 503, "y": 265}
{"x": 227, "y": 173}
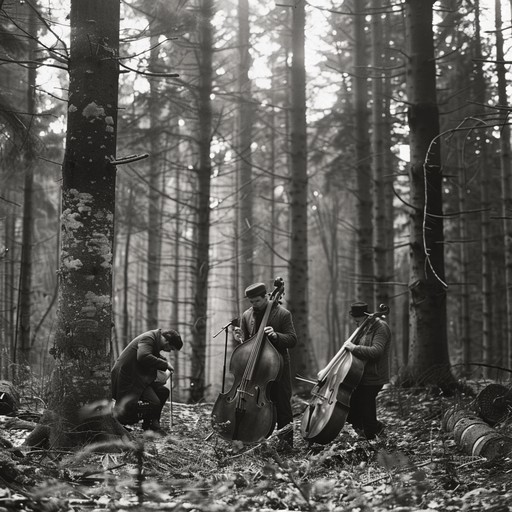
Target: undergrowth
{"x": 414, "y": 466}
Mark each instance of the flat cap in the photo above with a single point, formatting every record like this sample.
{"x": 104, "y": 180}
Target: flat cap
{"x": 174, "y": 338}
{"x": 255, "y": 290}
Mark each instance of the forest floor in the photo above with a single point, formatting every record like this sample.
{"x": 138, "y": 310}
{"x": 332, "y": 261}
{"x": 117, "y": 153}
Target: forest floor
{"x": 414, "y": 466}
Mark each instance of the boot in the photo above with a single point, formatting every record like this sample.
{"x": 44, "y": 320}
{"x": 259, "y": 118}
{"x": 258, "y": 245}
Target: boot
{"x": 154, "y": 426}
{"x": 285, "y": 441}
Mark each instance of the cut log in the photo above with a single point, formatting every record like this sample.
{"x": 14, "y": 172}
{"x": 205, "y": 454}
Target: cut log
{"x": 492, "y": 445}
{"x": 474, "y": 436}
{"x": 493, "y": 403}
{"x": 453, "y": 415}
{"x": 465, "y": 424}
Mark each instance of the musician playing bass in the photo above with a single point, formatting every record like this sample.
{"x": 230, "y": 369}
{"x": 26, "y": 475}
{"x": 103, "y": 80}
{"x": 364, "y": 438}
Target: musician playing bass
{"x": 281, "y": 333}
{"x": 373, "y": 349}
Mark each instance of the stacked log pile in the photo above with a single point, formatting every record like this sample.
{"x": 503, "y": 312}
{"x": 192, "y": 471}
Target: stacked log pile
{"x": 473, "y": 430}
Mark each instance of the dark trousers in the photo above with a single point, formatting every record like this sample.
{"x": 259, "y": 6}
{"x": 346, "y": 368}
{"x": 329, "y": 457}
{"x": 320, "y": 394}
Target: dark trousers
{"x": 156, "y": 394}
{"x": 147, "y": 406}
{"x": 363, "y": 410}
{"x": 281, "y": 394}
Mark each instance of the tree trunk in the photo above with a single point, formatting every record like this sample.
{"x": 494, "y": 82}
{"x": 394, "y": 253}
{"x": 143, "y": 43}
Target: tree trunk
{"x": 365, "y": 271}
{"x": 125, "y": 332}
{"x": 298, "y": 266}
{"x": 381, "y": 173}
{"x": 327, "y": 230}
{"x": 176, "y": 288}
{"x": 3, "y": 298}
{"x": 484, "y": 178}
{"x": 202, "y": 264}
{"x": 428, "y": 355}
{"x": 79, "y": 404}
{"x": 465, "y": 304}
{"x": 390, "y": 164}
{"x": 154, "y": 216}
{"x": 274, "y": 218}
{"x": 8, "y": 315}
{"x": 23, "y": 356}
{"x": 245, "y": 122}
{"x": 506, "y": 169}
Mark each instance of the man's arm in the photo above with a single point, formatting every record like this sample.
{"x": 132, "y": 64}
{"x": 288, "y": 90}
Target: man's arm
{"x": 373, "y": 352}
{"x": 245, "y": 327}
{"x": 147, "y": 358}
{"x": 284, "y": 330}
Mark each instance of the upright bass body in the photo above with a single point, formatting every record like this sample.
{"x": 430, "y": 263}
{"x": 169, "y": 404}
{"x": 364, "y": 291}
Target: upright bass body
{"x": 327, "y": 412}
{"x": 328, "y": 409}
{"x": 246, "y": 413}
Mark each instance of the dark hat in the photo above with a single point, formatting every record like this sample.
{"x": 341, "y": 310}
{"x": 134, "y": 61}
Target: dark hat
{"x": 358, "y": 309}
{"x": 255, "y": 290}
{"x": 174, "y": 338}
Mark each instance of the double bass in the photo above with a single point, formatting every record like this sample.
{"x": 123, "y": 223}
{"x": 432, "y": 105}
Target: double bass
{"x": 246, "y": 413}
{"x": 327, "y": 411}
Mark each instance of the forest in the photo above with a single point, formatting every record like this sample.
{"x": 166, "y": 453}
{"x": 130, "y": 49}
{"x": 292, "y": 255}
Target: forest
{"x": 157, "y": 157}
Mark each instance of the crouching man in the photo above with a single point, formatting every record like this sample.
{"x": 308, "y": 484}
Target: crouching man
{"x": 139, "y": 395}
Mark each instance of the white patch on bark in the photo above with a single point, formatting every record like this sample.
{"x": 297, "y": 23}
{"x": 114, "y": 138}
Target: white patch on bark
{"x": 69, "y": 220}
{"x": 69, "y": 263}
{"x": 94, "y": 111}
{"x": 95, "y": 303}
{"x": 82, "y": 197}
{"x": 110, "y": 124}
{"x": 100, "y": 245}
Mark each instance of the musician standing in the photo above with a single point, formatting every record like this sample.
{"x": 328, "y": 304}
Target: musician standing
{"x": 281, "y": 333}
{"x": 373, "y": 349}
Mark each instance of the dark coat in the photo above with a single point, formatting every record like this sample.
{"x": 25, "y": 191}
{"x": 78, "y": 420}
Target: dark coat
{"x": 373, "y": 349}
{"x": 280, "y": 319}
{"x": 136, "y": 367}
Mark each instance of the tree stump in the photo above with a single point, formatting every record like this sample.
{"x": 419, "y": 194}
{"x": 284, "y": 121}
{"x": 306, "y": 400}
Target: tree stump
{"x": 474, "y": 436}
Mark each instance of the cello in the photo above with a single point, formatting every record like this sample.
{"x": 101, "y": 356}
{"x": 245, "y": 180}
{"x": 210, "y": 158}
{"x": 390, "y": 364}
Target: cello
{"x": 246, "y": 413}
{"x": 327, "y": 411}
